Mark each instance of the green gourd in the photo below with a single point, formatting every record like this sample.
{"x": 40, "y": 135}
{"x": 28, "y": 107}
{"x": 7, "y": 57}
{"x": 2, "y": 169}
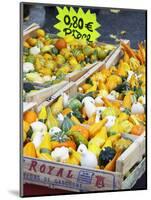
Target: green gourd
{"x": 78, "y": 137}
{"x": 67, "y": 124}
{"x": 106, "y": 155}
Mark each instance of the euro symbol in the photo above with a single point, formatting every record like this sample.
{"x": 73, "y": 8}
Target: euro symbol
{"x": 89, "y": 26}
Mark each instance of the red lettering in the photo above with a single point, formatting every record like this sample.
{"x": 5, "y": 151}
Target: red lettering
{"x": 33, "y": 166}
{"x": 42, "y": 168}
{"x": 60, "y": 172}
{"x": 50, "y": 169}
{"x": 99, "y": 181}
{"x": 69, "y": 175}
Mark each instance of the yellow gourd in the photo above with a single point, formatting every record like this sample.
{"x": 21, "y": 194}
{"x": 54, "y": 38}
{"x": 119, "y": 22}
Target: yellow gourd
{"x": 75, "y": 120}
{"x": 108, "y": 143}
{"x": 42, "y": 116}
{"x": 74, "y": 157}
{"x": 51, "y": 120}
{"x": 115, "y": 137}
{"x": 57, "y": 107}
{"x": 98, "y": 141}
{"x": 29, "y": 150}
{"x": 26, "y": 126}
{"x": 127, "y": 101}
{"x": 93, "y": 129}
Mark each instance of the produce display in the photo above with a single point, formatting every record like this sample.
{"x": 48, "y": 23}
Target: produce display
{"x": 47, "y": 59}
{"x": 87, "y": 128}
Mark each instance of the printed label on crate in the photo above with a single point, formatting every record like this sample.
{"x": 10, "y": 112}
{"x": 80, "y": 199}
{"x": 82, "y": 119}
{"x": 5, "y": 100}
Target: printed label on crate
{"x": 80, "y": 24}
{"x": 74, "y": 178}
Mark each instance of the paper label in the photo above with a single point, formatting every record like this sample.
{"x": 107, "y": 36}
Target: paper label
{"x": 79, "y": 24}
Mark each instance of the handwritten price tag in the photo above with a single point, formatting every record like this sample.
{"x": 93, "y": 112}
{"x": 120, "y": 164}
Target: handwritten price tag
{"x": 78, "y": 24}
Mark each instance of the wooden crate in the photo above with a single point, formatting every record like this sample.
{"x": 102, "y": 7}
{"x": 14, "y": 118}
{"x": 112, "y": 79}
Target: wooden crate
{"x": 73, "y": 76}
{"x": 82, "y": 179}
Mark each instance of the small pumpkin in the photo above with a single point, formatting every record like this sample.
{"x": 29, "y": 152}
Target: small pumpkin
{"x": 138, "y": 130}
{"x": 60, "y": 44}
{"x": 30, "y": 116}
{"x": 60, "y": 139}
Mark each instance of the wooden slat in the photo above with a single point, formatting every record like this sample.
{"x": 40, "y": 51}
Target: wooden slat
{"x": 41, "y": 95}
{"x": 136, "y": 174}
{"x": 131, "y": 156}
{"x": 28, "y": 106}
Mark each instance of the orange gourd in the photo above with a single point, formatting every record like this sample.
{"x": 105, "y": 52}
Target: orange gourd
{"x": 30, "y": 116}
{"x": 137, "y": 130}
{"x": 84, "y": 131}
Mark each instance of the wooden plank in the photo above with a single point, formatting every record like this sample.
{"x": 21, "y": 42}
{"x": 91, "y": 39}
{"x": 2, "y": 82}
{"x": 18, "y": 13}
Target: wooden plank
{"x": 136, "y": 174}
{"x": 131, "y": 156}
{"x": 30, "y": 31}
{"x": 71, "y": 177}
{"x": 28, "y": 106}
{"x": 69, "y": 88}
{"x": 41, "y": 95}
{"x": 115, "y": 56}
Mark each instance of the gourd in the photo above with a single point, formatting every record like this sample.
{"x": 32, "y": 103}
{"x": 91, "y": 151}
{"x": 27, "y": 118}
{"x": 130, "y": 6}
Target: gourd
{"x": 30, "y": 58}
{"x": 94, "y": 128}
{"x": 60, "y": 44}
{"x": 42, "y": 116}
{"x": 106, "y": 155}
{"x": 38, "y": 127}
{"x": 98, "y": 141}
{"x": 78, "y": 137}
{"x": 60, "y": 139}
{"x": 84, "y": 131}
{"x": 30, "y": 116}
{"x": 88, "y": 159}
{"x": 109, "y": 112}
{"x": 54, "y": 130}
{"x": 137, "y": 108}
{"x": 74, "y": 157}
{"x": 90, "y": 108}
{"x": 75, "y": 120}
{"x": 45, "y": 146}
{"x": 57, "y": 107}
{"x": 29, "y": 150}
{"x": 34, "y": 50}
{"x": 78, "y": 115}
{"x": 60, "y": 154}
{"x": 51, "y": 120}
{"x": 122, "y": 144}
{"x": 101, "y": 53}
{"x": 75, "y": 104}
{"x": 67, "y": 124}
{"x": 87, "y": 50}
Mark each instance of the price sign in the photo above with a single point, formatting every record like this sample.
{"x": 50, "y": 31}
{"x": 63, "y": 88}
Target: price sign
{"x": 79, "y": 24}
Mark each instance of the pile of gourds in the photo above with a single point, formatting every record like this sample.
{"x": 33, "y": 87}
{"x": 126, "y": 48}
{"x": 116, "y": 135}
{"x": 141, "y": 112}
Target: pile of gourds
{"x": 48, "y": 59}
{"x": 86, "y": 129}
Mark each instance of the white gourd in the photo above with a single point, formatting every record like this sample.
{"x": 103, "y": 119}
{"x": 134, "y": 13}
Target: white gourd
{"x": 88, "y": 159}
